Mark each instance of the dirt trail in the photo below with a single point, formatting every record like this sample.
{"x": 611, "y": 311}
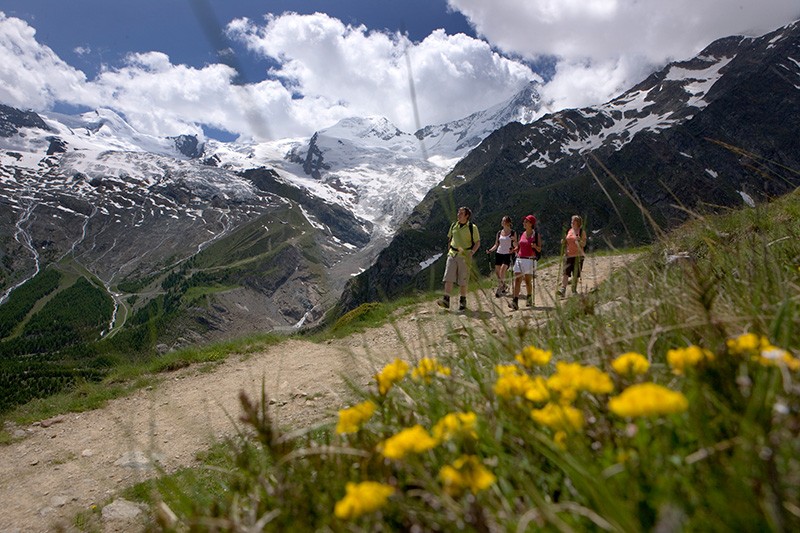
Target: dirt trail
{"x": 76, "y": 461}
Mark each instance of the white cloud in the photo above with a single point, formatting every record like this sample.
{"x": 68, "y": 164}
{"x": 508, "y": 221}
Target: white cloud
{"x": 615, "y": 39}
{"x": 580, "y": 83}
{"x": 33, "y": 75}
{"x": 367, "y": 73}
{"x": 326, "y": 71}
{"x": 159, "y": 97}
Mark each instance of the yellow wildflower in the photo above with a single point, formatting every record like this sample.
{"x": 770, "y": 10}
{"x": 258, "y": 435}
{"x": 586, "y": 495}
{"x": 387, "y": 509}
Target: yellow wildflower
{"x": 410, "y": 440}
{"x": 391, "y": 374}
{"x": 560, "y": 439}
{"x": 427, "y": 368}
{"x": 571, "y": 378}
{"x": 454, "y": 425}
{"x": 466, "y": 472}
{"x": 774, "y": 356}
{"x": 506, "y": 370}
{"x": 630, "y": 364}
{"x": 362, "y": 498}
{"x": 679, "y": 359}
{"x": 596, "y": 381}
{"x": 759, "y": 349}
{"x": 513, "y": 382}
{"x": 351, "y": 419}
{"x": 559, "y": 417}
{"x": 537, "y": 391}
{"x": 648, "y": 399}
{"x": 531, "y": 356}
{"x": 747, "y": 344}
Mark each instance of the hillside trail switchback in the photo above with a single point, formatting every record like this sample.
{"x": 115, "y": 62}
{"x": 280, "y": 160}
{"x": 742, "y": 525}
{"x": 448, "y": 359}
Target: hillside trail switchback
{"x": 82, "y": 461}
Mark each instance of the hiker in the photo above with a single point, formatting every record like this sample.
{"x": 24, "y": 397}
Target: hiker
{"x": 575, "y": 242}
{"x": 528, "y": 248}
{"x": 463, "y": 240}
{"x": 504, "y": 242}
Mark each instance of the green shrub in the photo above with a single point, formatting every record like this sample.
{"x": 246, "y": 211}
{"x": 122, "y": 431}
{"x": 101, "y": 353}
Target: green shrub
{"x": 23, "y": 298}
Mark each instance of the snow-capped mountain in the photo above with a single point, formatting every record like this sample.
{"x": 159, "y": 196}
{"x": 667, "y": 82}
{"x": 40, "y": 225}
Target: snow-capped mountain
{"x": 667, "y": 98}
{"x": 717, "y": 130}
{"x": 128, "y": 206}
{"x": 377, "y": 171}
{"x": 456, "y": 139}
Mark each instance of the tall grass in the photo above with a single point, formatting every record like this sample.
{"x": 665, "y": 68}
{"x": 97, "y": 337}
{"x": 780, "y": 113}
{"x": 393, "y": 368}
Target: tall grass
{"x": 536, "y": 443}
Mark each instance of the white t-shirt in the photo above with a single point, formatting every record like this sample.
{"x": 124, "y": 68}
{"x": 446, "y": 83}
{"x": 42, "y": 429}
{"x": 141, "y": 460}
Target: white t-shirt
{"x": 504, "y": 246}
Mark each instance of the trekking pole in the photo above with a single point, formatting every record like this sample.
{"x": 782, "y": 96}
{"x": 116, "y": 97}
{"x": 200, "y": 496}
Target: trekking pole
{"x": 560, "y": 274}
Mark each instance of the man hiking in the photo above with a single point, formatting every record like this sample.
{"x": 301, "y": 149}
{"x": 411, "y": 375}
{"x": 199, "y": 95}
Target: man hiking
{"x": 463, "y": 240}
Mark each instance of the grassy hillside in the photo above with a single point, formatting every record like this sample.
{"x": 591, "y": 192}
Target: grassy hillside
{"x": 669, "y": 399}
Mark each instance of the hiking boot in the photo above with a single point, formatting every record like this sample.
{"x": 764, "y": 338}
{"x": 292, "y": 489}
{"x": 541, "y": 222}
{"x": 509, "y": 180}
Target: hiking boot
{"x": 498, "y": 292}
{"x": 462, "y": 304}
{"x": 444, "y": 302}
{"x": 561, "y": 292}
{"x": 530, "y": 300}
{"x": 514, "y": 303}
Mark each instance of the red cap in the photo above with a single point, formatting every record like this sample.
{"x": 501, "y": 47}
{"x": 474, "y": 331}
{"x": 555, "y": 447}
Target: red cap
{"x": 531, "y": 219}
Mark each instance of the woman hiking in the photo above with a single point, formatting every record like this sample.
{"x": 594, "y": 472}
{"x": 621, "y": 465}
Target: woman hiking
{"x": 528, "y": 248}
{"x": 504, "y": 242}
{"x": 575, "y": 243}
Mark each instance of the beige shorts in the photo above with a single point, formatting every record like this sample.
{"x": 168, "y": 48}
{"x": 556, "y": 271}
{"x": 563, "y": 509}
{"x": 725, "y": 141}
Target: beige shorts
{"x": 456, "y": 270}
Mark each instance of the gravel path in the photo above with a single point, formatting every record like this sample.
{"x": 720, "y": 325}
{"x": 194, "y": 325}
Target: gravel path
{"x": 79, "y": 461}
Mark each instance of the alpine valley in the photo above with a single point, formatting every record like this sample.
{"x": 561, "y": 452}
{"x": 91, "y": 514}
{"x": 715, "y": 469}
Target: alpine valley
{"x": 113, "y": 241}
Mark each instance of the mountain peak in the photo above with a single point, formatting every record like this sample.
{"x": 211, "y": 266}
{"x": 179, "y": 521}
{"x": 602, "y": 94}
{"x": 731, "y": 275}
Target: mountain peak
{"x": 363, "y": 128}
{"x": 455, "y": 139}
{"x": 11, "y": 119}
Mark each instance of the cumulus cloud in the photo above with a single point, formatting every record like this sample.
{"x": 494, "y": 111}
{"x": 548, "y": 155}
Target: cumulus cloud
{"x": 369, "y": 73}
{"x": 324, "y": 70}
{"x": 33, "y": 75}
{"x": 159, "y": 97}
{"x": 621, "y": 40}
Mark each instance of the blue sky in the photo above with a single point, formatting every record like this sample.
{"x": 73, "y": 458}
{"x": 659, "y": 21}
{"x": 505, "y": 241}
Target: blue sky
{"x": 166, "y": 65}
{"x": 106, "y": 31}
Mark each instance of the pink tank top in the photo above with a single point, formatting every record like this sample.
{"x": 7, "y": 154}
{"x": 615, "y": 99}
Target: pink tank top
{"x": 573, "y": 250}
{"x": 526, "y": 245}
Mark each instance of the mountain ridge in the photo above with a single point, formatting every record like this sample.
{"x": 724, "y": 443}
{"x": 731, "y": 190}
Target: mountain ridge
{"x": 716, "y": 130}
{"x": 147, "y": 216}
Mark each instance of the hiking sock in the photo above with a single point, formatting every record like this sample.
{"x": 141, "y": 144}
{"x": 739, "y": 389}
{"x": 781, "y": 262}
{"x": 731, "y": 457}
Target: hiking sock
{"x": 462, "y": 303}
{"x": 444, "y": 302}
